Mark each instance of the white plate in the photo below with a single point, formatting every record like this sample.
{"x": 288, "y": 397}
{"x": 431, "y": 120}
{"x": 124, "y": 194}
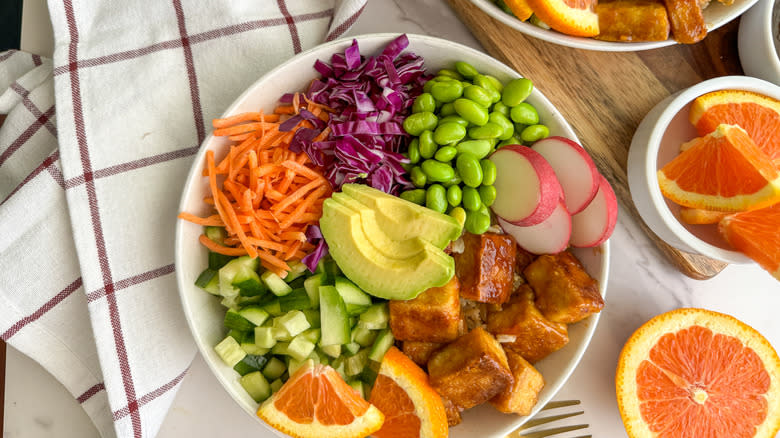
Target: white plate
{"x": 715, "y": 16}
{"x": 203, "y": 311}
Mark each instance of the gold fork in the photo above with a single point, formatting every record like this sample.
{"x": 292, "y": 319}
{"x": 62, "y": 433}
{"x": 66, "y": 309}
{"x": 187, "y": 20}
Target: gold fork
{"x": 524, "y": 432}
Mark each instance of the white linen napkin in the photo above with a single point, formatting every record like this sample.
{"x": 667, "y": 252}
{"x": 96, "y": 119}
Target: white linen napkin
{"x": 89, "y": 196}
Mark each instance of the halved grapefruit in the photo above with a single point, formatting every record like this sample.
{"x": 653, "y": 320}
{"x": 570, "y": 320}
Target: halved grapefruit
{"x": 695, "y": 373}
{"x": 722, "y": 171}
{"x": 572, "y": 17}
{"x": 759, "y": 115}
{"x": 757, "y": 235}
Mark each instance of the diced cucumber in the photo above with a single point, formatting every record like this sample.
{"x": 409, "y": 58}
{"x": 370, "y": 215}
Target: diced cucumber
{"x": 294, "y": 365}
{"x": 297, "y": 269}
{"x": 229, "y": 351}
{"x": 376, "y": 317}
{"x": 216, "y": 234}
{"x": 312, "y": 335}
{"x": 293, "y": 321}
{"x": 315, "y": 357}
{"x": 252, "y": 348}
{"x": 333, "y": 317}
{"x": 354, "y": 364}
{"x": 369, "y": 373}
{"x": 338, "y": 365}
{"x": 352, "y": 347}
{"x": 298, "y": 282}
{"x": 273, "y": 308}
{"x": 264, "y": 337}
{"x": 280, "y": 348}
{"x": 384, "y": 341}
{"x": 281, "y": 334}
{"x": 217, "y": 261}
{"x": 234, "y": 320}
{"x": 312, "y": 287}
{"x": 275, "y": 283}
{"x": 363, "y": 336}
{"x": 243, "y": 268}
{"x": 333, "y": 351}
{"x": 352, "y": 295}
{"x": 212, "y": 285}
{"x": 230, "y": 302}
{"x": 274, "y": 369}
{"x": 300, "y": 348}
{"x": 254, "y": 314}
{"x": 358, "y": 386}
{"x": 298, "y": 299}
{"x": 238, "y": 335}
{"x": 250, "y": 363}
{"x": 353, "y": 321}
{"x": 313, "y": 315}
{"x": 256, "y": 386}
{"x": 276, "y": 385}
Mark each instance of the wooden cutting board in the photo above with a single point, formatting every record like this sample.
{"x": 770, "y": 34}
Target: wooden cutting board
{"x": 604, "y": 95}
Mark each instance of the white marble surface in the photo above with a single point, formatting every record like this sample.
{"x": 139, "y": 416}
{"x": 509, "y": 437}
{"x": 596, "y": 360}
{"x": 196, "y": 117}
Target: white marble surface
{"x": 641, "y": 285}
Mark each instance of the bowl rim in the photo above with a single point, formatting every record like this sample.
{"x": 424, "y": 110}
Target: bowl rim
{"x": 657, "y": 133}
{"x": 587, "y": 43}
{"x": 762, "y": 11}
{"x": 190, "y": 181}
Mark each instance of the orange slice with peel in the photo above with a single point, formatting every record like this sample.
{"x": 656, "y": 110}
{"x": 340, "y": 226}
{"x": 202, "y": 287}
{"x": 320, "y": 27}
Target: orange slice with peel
{"x": 316, "y": 403}
{"x": 411, "y": 406}
{"x": 757, "y": 114}
{"x": 572, "y": 17}
{"x": 519, "y": 8}
{"x": 697, "y": 216}
{"x": 757, "y": 235}
{"x": 697, "y": 373}
{"x": 722, "y": 171}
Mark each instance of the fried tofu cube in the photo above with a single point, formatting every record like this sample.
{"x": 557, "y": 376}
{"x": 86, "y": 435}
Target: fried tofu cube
{"x": 419, "y": 352}
{"x": 471, "y": 370}
{"x": 535, "y": 335}
{"x": 564, "y": 291}
{"x": 486, "y": 267}
{"x": 632, "y": 20}
{"x": 521, "y": 396}
{"x": 452, "y": 411}
{"x": 686, "y": 20}
{"x": 433, "y": 316}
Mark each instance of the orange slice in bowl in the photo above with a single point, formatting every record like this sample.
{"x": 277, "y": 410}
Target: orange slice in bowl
{"x": 698, "y": 373}
{"x": 519, "y": 8}
{"x": 572, "y": 17}
{"x": 316, "y": 403}
{"x": 759, "y": 115}
{"x": 722, "y": 171}
{"x": 757, "y": 235}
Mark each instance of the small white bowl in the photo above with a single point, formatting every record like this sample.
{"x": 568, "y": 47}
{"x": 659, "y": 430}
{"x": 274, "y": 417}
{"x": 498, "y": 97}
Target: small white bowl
{"x": 758, "y": 51}
{"x": 715, "y": 16}
{"x": 657, "y": 141}
{"x": 204, "y": 313}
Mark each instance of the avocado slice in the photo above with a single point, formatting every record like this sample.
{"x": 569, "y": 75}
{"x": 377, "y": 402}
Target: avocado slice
{"x": 370, "y": 269}
{"x": 402, "y": 220}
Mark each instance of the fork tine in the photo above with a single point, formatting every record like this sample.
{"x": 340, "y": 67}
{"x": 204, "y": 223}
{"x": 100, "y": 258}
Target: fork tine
{"x": 549, "y": 432}
{"x": 544, "y": 420}
{"x": 560, "y": 404}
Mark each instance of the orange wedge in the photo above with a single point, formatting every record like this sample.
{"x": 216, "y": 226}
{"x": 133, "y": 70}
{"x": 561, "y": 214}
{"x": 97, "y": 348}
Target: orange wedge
{"x": 572, "y": 17}
{"x": 519, "y": 8}
{"x": 697, "y": 216}
{"x": 411, "y": 406}
{"x": 757, "y": 235}
{"x": 759, "y": 115}
{"x": 722, "y": 171}
{"x": 316, "y": 403}
{"x": 694, "y": 373}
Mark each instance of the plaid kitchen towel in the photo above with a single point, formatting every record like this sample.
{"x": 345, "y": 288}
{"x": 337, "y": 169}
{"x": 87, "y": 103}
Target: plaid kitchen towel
{"x": 89, "y": 192}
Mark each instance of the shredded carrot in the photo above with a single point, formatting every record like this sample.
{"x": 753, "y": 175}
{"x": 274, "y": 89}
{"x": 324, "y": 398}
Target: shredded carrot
{"x": 262, "y": 193}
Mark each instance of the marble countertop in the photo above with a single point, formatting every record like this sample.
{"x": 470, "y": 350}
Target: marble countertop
{"x": 641, "y": 285}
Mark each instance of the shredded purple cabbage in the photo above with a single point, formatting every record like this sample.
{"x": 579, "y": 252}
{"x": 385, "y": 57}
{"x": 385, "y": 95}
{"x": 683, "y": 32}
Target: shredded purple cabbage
{"x": 314, "y": 235}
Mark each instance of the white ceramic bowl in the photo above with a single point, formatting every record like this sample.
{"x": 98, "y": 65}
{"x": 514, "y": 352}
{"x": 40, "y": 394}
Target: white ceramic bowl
{"x": 715, "y": 15}
{"x": 204, "y": 313}
{"x": 757, "y": 51}
{"x": 657, "y": 141}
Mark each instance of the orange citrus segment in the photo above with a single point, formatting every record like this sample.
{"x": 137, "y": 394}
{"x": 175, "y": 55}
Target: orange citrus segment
{"x": 697, "y": 216}
{"x": 722, "y": 171}
{"x": 757, "y": 235}
{"x": 411, "y": 406}
{"x": 520, "y": 9}
{"x": 316, "y": 402}
{"x": 759, "y": 115}
{"x": 698, "y": 373}
{"x": 572, "y": 17}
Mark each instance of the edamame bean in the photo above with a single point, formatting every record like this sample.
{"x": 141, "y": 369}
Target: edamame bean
{"x": 471, "y": 200}
{"x": 447, "y": 109}
{"x": 510, "y": 140}
{"x": 465, "y": 69}
{"x": 497, "y": 85}
{"x": 506, "y": 124}
{"x": 488, "y": 172}
{"x": 501, "y": 108}
{"x": 487, "y": 193}
{"x": 445, "y": 154}
{"x": 417, "y": 196}
{"x": 450, "y": 73}
{"x": 487, "y": 131}
{"x": 477, "y": 148}
{"x": 454, "y": 118}
{"x": 454, "y": 181}
{"x": 418, "y": 177}
{"x": 436, "y": 198}
{"x": 414, "y": 151}
{"x": 534, "y": 132}
{"x": 516, "y": 91}
{"x": 424, "y": 102}
{"x": 471, "y": 111}
{"x": 416, "y": 123}
{"x": 454, "y": 195}
{"x": 524, "y": 113}
{"x": 469, "y": 169}
{"x": 459, "y": 214}
{"x": 438, "y": 171}
{"x": 427, "y": 145}
{"x": 447, "y": 133}
{"x": 477, "y": 222}
{"x": 477, "y": 94}
{"x": 447, "y": 91}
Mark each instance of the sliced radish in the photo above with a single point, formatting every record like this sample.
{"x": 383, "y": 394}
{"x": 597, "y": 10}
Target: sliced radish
{"x": 526, "y": 186}
{"x": 549, "y": 237}
{"x": 594, "y": 225}
{"x": 574, "y": 168}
